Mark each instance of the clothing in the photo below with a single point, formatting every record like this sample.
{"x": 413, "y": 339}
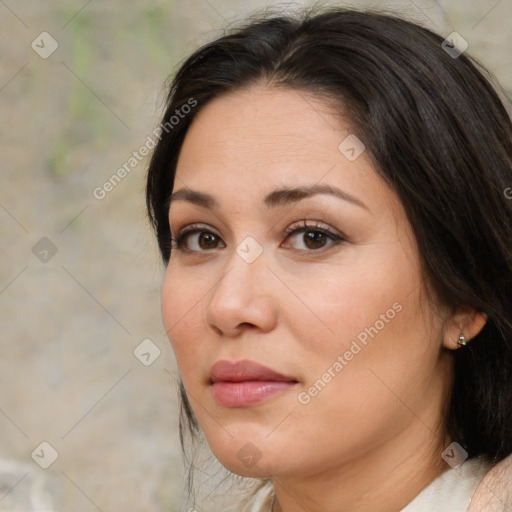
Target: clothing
{"x": 452, "y": 490}
{"x": 474, "y": 486}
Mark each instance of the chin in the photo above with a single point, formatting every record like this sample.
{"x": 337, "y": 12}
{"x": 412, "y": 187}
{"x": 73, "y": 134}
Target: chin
{"x": 249, "y": 455}
{"x": 264, "y": 467}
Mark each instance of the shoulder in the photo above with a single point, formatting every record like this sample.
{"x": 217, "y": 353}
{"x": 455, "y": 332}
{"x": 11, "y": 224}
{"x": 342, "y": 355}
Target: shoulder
{"x": 494, "y": 493}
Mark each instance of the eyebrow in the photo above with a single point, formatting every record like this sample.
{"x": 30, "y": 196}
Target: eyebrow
{"x": 276, "y": 198}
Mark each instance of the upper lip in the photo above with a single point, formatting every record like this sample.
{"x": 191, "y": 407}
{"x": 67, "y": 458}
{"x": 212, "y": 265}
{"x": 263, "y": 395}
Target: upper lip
{"x": 245, "y": 370}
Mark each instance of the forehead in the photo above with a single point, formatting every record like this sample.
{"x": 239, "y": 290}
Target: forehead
{"x": 241, "y": 120}
{"x": 262, "y": 138}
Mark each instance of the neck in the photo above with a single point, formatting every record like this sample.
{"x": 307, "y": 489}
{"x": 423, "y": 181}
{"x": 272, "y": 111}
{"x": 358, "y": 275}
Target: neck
{"x": 386, "y": 478}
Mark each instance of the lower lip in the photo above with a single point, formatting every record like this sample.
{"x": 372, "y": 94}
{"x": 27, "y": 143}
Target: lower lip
{"x": 245, "y": 394}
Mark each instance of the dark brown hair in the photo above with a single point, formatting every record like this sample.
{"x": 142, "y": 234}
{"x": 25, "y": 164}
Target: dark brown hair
{"x": 437, "y": 133}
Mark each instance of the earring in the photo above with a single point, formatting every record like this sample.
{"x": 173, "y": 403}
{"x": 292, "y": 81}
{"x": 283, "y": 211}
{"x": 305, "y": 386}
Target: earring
{"x": 462, "y": 340}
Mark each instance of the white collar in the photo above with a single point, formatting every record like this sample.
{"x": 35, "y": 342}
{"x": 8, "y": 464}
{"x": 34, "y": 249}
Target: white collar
{"x": 452, "y": 490}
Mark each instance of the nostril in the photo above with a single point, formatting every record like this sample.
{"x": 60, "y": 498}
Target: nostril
{"x": 247, "y": 325}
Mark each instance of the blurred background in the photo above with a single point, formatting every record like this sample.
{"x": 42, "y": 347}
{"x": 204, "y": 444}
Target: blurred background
{"x": 88, "y": 407}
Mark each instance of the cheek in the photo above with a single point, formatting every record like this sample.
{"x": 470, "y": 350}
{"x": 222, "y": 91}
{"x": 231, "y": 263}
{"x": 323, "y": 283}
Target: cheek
{"x": 371, "y": 294}
{"x": 380, "y": 335}
{"x": 371, "y": 329}
{"x": 181, "y": 306}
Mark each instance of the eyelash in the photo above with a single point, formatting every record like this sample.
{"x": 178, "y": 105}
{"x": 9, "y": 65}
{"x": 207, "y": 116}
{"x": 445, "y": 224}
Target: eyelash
{"x": 178, "y": 241}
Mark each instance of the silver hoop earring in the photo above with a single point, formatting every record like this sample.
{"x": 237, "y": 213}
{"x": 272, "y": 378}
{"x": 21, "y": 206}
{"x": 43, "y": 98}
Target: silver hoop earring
{"x": 462, "y": 340}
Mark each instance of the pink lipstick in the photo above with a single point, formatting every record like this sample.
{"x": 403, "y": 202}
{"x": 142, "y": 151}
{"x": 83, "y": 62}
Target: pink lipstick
{"x": 245, "y": 383}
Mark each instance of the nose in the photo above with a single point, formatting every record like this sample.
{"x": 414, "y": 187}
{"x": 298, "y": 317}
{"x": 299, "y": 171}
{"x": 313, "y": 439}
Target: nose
{"x": 243, "y": 299}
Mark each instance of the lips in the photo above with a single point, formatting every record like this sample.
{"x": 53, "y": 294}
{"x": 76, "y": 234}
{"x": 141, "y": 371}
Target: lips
{"x": 245, "y": 370}
{"x": 245, "y": 383}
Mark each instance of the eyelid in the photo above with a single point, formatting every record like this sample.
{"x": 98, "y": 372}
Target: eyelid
{"x": 195, "y": 227}
{"x": 314, "y": 225}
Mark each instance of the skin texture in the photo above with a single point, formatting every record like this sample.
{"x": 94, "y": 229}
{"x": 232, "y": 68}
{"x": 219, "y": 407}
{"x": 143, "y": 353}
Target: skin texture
{"x": 372, "y": 438}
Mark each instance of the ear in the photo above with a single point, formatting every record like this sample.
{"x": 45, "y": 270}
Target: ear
{"x": 466, "y": 321}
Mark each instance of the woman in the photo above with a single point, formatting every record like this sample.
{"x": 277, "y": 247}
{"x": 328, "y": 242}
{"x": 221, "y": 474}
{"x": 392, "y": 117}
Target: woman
{"x": 328, "y": 196}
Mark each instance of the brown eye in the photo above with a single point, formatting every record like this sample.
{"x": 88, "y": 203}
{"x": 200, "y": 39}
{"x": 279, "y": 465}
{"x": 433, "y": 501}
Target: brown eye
{"x": 196, "y": 240}
{"x": 207, "y": 241}
{"x": 311, "y": 238}
{"x": 314, "y": 239}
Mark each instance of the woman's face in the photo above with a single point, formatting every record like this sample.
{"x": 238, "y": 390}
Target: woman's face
{"x": 299, "y": 258}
